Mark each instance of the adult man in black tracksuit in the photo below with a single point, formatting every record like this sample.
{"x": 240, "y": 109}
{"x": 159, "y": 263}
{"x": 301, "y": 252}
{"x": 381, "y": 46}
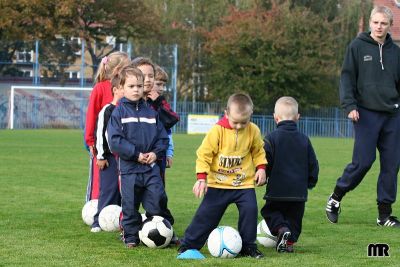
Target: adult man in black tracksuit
{"x": 369, "y": 92}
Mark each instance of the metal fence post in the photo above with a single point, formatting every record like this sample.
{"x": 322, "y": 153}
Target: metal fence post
{"x": 174, "y": 74}
{"x": 36, "y": 68}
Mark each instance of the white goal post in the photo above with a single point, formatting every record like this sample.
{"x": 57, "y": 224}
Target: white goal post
{"x": 54, "y": 94}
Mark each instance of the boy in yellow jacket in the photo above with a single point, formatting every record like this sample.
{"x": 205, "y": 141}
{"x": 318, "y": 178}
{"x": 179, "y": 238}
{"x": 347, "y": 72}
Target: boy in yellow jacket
{"x": 230, "y": 162}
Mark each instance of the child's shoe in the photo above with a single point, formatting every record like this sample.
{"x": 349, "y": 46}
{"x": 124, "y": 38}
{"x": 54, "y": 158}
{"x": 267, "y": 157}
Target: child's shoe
{"x": 131, "y": 245}
{"x": 283, "y": 237}
{"x": 174, "y": 240}
{"x": 251, "y": 252}
{"x": 95, "y": 229}
{"x": 182, "y": 249}
{"x": 289, "y": 248}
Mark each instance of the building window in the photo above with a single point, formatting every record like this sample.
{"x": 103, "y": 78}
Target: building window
{"x": 24, "y": 56}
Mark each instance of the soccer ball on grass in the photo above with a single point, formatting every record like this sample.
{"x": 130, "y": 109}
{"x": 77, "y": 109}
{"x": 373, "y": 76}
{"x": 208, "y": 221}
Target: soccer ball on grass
{"x": 89, "y": 210}
{"x": 224, "y": 242}
{"x": 264, "y": 236}
{"x": 156, "y": 232}
{"x": 109, "y": 218}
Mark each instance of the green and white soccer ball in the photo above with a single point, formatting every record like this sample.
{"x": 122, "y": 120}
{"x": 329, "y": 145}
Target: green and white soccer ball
{"x": 264, "y": 236}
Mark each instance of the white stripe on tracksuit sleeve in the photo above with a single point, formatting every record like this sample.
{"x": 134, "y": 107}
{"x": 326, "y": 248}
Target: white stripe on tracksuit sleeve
{"x": 99, "y": 133}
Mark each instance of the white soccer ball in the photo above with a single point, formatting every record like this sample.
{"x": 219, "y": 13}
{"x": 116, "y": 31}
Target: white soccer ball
{"x": 224, "y": 242}
{"x": 109, "y": 218}
{"x": 156, "y": 232}
{"x": 264, "y": 236}
{"x": 89, "y": 210}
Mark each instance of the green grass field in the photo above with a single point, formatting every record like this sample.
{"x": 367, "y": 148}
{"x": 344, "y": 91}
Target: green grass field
{"x": 43, "y": 177}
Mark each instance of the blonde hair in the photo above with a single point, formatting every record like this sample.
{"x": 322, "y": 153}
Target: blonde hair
{"x": 108, "y": 64}
{"x": 286, "y": 108}
{"x": 384, "y": 10}
{"x": 160, "y": 74}
{"x": 243, "y": 102}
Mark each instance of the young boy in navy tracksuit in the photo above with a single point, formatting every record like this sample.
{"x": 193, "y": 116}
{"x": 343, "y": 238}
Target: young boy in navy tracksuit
{"x": 138, "y": 137}
{"x": 167, "y": 116}
{"x": 292, "y": 169}
{"x": 108, "y": 170}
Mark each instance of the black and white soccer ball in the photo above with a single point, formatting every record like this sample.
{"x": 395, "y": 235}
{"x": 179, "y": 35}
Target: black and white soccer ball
{"x": 156, "y": 232}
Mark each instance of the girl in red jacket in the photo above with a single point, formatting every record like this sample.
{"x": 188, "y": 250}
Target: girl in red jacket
{"x": 99, "y": 97}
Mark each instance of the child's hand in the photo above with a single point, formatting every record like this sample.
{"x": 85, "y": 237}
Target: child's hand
{"x": 142, "y": 158}
{"x": 169, "y": 162}
{"x": 93, "y": 151}
{"x": 260, "y": 177}
{"x": 102, "y": 164}
{"x": 153, "y": 95}
{"x": 150, "y": 157}
{"x": 200, "y": 188}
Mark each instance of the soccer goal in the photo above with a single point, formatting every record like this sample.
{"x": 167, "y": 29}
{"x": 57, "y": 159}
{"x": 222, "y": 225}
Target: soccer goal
{"x": 47, "y": 107}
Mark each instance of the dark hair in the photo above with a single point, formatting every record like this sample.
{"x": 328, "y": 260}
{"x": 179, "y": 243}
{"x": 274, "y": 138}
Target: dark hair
{"x": 140, "y": 61}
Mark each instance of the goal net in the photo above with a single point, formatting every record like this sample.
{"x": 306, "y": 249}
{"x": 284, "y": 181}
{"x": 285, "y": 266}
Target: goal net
{"x": 47, "y": 107}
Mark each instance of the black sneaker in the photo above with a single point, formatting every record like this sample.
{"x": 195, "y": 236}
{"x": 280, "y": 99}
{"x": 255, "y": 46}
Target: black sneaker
{"x": 289, "y": 249}
{"x": 283, "y": 237}
{"x": 390, "y": 221}
{"x": 332, "y": 210}
{"x": 251, "y": 252}
{"x": 182, "y": 249}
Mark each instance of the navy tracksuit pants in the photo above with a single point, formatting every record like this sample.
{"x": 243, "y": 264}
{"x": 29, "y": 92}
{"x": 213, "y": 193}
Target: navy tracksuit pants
{"x": 166, "y": 213}
{"x": 153, "y": 198}
{"x": 109, "y": 190}
{"x": 375, "y": 130}
{"x": 288, "y": 214}
{"x": 211, "y": 210}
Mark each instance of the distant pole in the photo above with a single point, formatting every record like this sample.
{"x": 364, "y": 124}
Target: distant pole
{"x": 83, "y": 63}
{"x": 175, "y": 74}
{"x": 129, "y": 49}
{"x": 36, "y": 68}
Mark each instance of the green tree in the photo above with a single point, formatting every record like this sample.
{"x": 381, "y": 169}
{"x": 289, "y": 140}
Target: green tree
{"x": 283, "y": 51}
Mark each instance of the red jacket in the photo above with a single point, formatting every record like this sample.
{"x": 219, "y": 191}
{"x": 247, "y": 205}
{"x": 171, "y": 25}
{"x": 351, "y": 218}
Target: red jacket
{"x": 99, "y": 97}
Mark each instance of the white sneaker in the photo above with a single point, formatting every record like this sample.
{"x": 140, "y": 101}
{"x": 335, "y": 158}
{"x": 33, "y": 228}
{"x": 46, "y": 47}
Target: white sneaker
{"x": 95, "y": 229}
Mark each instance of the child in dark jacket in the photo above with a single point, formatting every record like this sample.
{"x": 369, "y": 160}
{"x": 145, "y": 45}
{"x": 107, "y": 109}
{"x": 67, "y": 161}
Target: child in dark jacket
{"x": 292, "y": 169}
{"x": 136, "y": 134}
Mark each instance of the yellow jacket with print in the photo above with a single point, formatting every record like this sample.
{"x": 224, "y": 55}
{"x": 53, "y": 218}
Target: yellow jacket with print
{"x": 228, "y": 158}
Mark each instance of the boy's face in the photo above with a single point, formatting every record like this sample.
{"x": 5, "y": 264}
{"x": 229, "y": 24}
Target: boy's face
{"x": 238, "y": 120}
{"x": 133, "y": 88}
{"x": 148, "y": 73}
{"x": 159, "y": 86}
